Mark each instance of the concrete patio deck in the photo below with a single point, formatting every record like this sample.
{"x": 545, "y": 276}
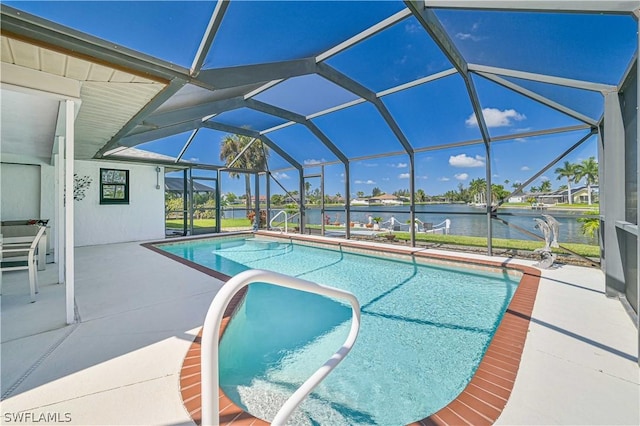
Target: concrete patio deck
{"x": 139, "y": 312}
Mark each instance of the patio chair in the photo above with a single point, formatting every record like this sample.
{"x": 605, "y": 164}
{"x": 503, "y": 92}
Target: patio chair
{"x": 19, "y": 256}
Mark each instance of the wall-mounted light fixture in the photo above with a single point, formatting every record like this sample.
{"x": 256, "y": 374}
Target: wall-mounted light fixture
{"x": 157, "y": 177}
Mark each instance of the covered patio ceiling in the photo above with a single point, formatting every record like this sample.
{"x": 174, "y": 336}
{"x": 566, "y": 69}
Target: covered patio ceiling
{"x": 336, "y": 85}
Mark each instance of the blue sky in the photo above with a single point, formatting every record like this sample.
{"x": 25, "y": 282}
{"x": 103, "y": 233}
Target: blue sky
{"x": 583, "y": 47}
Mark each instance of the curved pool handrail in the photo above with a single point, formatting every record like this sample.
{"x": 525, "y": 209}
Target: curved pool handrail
{"x": 286, "y": 221}
{"x": 211, "y": 334}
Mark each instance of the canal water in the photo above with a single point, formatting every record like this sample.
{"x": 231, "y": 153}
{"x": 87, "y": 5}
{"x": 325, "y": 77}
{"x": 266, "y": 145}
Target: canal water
{"x": 465, "y": 220}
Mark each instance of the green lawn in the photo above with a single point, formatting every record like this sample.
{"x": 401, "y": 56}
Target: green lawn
{"x": 582, "y": 249}
{"x": 462, "y": 240}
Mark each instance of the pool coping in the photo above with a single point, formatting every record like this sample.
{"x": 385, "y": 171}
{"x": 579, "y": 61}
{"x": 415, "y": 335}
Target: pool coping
{"x": 482, "y": 400}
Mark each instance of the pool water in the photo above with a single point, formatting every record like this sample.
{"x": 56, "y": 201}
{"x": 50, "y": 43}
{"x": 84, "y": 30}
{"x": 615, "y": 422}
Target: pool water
{"x": 423, "y": 333}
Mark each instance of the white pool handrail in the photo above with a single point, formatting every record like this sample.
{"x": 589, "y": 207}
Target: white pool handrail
{"x": 286, "y": 221}
{"x": 211, "y": 334}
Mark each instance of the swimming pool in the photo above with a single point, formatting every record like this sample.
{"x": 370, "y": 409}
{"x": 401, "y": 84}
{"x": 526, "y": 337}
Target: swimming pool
{"x": 424, "y": 331}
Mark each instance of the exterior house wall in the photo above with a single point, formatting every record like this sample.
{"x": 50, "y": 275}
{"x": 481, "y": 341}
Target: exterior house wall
{"x": 27, "y": 190}
{"x": 20, "y": 189}
{"x": 34, "y": 197}
{"x": 141, "y": 219}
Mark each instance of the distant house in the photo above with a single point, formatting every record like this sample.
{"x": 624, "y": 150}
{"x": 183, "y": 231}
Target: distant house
{"x": 263, "y": 199}
{"x": 360, "y": 202}
{"x": 291, "y": 199}
{"x": 387, "y": 199}
{"x": 554, "y": 197}
{"x": 579, "y": 194}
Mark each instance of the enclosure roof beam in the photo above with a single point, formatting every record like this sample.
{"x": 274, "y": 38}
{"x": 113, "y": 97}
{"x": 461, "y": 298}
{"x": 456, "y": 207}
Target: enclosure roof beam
{"x": 349, "y": 84}
{"x": 578, "y": 6}
{"x": 414, "y": 83}
{"x": 194, "y": 112}
{"x": 292, "y": 116}
{"x": 246, "y": 147}
{"x": 207, "y": 39}
{"x": 539, "y": 98}
{"x": 281, "y": 152}
{"x": 631, "y": 66}
{"x": 431, "y": 24}
{"x": 222, "y": 78}
{"x": 159, "y": 133}
{"x": 519, "y": 189}
{"x": 369, "y": 32}
{"x": 542, "y": 78}
{"x": 170, "y": 90}
{"x": 252, "y": 133}
{"x": 274, "y": 110}
{"x": 336, "y": 108}
{"x": 186, "y": 145}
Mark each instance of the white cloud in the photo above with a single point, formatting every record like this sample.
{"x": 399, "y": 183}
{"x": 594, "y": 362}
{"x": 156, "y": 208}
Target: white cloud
{"x": 400, "y": 165}
{"x": 370, "y": 164}
{"x": 463, "y": 160}
{"x": 520, "y": 139}
{"x": 443, "y": 179}
{"x": 412, "y": 28}
{"x": 493, "y": 117}
{"x": 495, "y": 175}
{"x": 279, "y": 175}
{"x": 525, "y": 168}
{"x": 310, "y": 161}
{"x": 543, "y": 178}
{"x": 386, "y": 179}
{"x": 365, "y": 182}
{"x": 194, "y": 159}
{"x": 403, "y": 176}
{"x": 468, "y": 36}
{"x": 462, "y": 176}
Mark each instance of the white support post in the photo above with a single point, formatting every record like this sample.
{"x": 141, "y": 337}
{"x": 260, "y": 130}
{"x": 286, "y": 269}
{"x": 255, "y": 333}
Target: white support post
{"x": 59, "y": 214}
{"x": 68, "y": 211}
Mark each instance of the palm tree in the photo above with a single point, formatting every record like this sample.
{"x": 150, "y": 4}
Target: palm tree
{"x": 307, "y": 188}
{"x": 545, "y": 186}
{"x": 478, "y": 189}
{"x": 590, "y": 226}
{"x": 588, "y": 170}
{"x": 498, "y": 193}
{"x": 253, "y": 158}
{"x": 568, "y": 171}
